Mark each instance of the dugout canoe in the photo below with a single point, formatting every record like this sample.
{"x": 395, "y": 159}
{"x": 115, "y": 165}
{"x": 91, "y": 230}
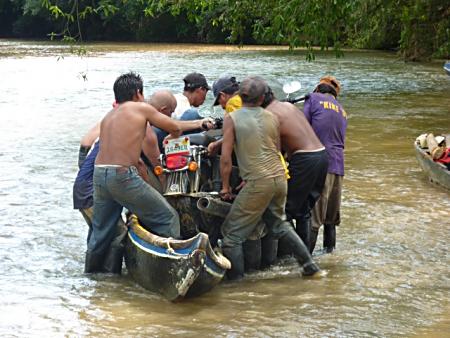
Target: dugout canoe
{"x": 173, "y": 268}
{"x": 447, "y": 67}
{"x": 436, "y": 172}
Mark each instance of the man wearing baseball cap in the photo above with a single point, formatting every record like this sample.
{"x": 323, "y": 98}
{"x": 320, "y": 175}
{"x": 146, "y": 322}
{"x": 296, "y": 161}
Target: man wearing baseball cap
{"x": 226, "y": 94}
{"x": 225, "y": 91}
{"x": 194, "y": 94}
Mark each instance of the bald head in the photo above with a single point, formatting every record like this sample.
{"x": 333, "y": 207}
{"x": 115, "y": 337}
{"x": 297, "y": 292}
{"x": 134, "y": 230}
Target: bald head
{"x": 252, "y": 90}
{"x": 163, "y": 101}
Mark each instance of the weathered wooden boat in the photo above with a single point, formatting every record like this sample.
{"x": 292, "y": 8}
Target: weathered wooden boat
{"x": 173, "y": 268}
{"x": 437, "y": 172}
{"x": 447, "y": 67}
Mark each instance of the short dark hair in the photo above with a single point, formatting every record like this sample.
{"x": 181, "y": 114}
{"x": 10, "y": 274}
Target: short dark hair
{"x": 269, "y": 96}
{"x": 126, "y": 86}
{"x": 252, "y": 89}
{"x": 325, "y": 89}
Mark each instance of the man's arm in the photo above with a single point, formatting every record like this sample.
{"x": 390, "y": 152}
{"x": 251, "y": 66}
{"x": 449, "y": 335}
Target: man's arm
{"x": 155, "y": 118}
{"x": 206, "y": 123}
{"x": 150, "y": 146}
{"x": 225, "y": 159}
{"x": 86, "y": 143}
{"x": 213, "y": 147}
{"x": 93, "y": 133}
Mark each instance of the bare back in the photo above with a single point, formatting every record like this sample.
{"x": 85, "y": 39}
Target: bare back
{"x": 295, "y": 131}
{"x": 123, "y": 129}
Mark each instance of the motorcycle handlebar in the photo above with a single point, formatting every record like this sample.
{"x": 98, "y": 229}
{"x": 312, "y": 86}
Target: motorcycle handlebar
{"x": 296, "y": 99}
{"x": 218, "y": 123}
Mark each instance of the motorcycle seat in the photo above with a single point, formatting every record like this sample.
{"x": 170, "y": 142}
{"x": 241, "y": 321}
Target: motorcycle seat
{"x": 201, "y": 139}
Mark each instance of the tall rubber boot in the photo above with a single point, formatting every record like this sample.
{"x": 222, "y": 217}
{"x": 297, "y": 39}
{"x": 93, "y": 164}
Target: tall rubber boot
{"x": 236, "y": 256}
{"x": 329, "y": 238}
{"x": 313, "y": 239}
{"x": 93, "y": 262}
{"x": 113, "y": 259}
{"x": 269, "y": 251}
{"x": 114, "y": 256}
{"x": 303, "y": 228}
{"x": 284, "y": 249}
{"x": 301, "y": 253}
{"x": 252, "y": 254}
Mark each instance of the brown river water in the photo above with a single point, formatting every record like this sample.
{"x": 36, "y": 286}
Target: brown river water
{"x": 390, "y": 274}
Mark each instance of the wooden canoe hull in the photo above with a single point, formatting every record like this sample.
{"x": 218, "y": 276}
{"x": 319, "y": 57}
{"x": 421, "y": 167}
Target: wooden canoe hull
{"x": 436, "y": 172}
{"x": 447, "y": 67}
{"x": 175, "y": 269}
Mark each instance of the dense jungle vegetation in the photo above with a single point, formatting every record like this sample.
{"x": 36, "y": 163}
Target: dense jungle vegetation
{"x": 417, "y": 29}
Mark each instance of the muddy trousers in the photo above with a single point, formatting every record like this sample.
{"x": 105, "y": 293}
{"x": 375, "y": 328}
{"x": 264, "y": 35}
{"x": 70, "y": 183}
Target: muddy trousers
{"x": 326, "y": 212}
{"x": 260, "y": 199}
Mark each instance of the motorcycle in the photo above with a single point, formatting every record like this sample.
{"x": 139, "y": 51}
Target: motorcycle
{"x": 191, "y": 181}
{"x": 192, "y": 184}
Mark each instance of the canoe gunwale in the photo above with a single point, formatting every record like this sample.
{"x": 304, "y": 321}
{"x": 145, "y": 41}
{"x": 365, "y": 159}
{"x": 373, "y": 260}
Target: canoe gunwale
{"x": 436, "y": 172}
{"x": 171, "y": 244}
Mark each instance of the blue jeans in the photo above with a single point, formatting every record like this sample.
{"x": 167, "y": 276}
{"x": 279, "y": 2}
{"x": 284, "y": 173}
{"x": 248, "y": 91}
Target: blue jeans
{"x": 190, "y": 114}
{"x": 118, "y": 187}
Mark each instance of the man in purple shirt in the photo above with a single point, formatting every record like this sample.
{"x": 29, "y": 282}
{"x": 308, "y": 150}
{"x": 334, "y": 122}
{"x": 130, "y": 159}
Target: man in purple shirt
{"x": 329, "y": 121}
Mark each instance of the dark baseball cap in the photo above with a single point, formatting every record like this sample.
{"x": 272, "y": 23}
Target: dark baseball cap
{"x": 226, "y": 84}
{"x": 195, "y": 80}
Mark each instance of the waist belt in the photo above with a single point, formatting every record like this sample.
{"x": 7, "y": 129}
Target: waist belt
{"x": 308, "y": 151}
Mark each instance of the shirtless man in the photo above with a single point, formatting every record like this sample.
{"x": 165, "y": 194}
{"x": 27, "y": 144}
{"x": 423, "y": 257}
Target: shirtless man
{"x": 254, "y": 134}
{"x": 116, "y": 180}
{"x": 308, "y": 163}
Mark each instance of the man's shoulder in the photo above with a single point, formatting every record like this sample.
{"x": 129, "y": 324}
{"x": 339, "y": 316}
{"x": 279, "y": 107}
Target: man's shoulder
{"x": 124, "y": 107}
{"x": 314, "y": 96}
{"x": 132, "y": 107}
{"x": 180, "y": 97}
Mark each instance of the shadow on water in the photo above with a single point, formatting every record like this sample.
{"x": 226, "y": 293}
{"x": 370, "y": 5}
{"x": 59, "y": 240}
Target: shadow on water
{"x": 388, "y": 277}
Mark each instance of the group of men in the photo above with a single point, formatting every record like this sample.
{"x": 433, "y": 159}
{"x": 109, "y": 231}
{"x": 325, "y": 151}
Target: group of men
{"x": 257, "y": 128}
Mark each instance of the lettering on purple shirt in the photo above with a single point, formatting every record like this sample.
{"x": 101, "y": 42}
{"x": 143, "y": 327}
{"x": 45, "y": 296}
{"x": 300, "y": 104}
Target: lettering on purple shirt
{"x": 329, "y": 121}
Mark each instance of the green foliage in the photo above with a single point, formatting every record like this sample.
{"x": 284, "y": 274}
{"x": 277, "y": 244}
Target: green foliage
{"x": 418, "y": 29}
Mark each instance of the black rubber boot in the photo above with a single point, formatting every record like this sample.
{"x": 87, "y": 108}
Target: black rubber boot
{"x": 236, "y": 256}
{"x": 113, "y": 260}
{"x": 283, "y": 249}
{"x": 301, "y": 253}
{"x": 313, "y": 239}
{"x": 252, "y": 254}
{"x": 303, "y": 228}
{"x": 269, "y": 251}
{"x": 329, "y": 238}
{"x": 114, "y": 255}
{"x": 93, "y": 262}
